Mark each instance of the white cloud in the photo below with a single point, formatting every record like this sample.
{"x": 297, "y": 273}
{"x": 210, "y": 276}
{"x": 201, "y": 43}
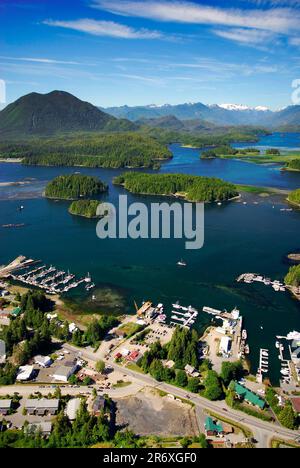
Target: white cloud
{"x": 295, "y": 41}
{"x": 106, "y": 28}
{"x": 40, "y": 60}
{"x": 246, "y": 36}
{"x": 273, "y": 19}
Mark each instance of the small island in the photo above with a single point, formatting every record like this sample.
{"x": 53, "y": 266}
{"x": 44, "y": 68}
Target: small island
{"x": 85, "y": 208}
{"x": 191, "y": 188}
{"x": 226, "y": 151}
{"x": 75, "y": 186}
{"x": 294, "y": 197}
{"x": 293, "y": 165}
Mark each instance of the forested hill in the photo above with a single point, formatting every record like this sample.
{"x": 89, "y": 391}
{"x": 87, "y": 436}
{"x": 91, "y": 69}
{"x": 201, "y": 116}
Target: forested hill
{"x": 74, "y": 186}
{"x": 56, "y": 112}
{"x": 192, "y": 188}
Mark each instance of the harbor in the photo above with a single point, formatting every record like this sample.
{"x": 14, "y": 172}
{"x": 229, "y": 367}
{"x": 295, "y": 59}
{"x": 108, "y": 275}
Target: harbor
{"x": 263, "y": 368}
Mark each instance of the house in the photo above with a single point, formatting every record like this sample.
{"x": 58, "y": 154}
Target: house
{"x": 120, "y": 333}
{"x": 169, "y": 364}
{"x": 63, "y": 373}
{"x": 98, "y": 405}
{"x": 191, "y": 371}
{"x": 296, "y": 404}
{"x": 72, "y": 408}
{"x": 247, "y": 395}
{"x": 43, "y": 428}
{"x": 4, "y": 319}
{"x": 42, "y": 406}
{"x": 72, "y": 328}
{"x": 5, "y": 406}
{"x": 43, "y": 361}
{"x": 25, "y": 373}
{"x": 118, "y": 356}
{"x": 133, "y": 356}
{"x": 2, "y": 352}
{"x": 212, "y": 428}
{"x": 225, "y": 345}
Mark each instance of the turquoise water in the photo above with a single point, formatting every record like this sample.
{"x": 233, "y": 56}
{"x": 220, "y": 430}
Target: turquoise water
{"x": 238, "y": 238}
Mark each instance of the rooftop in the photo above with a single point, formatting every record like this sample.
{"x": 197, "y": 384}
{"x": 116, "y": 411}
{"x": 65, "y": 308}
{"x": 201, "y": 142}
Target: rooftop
{"x": 42, "y": 403}
{"x": 296, "y": 404}
{"x": 5, "y": 404}
{"x": 72, "y": 408}
{"x": 211, "y": 426}
{"x": 249, "y": 396}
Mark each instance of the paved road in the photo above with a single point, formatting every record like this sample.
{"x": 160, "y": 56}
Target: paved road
{"x": 263, "y": 431}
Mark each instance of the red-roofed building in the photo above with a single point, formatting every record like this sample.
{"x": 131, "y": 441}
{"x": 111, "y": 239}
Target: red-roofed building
{"x": 296, "y": 404}
{"x": 133, "y": 356}
{"x": 118, "y": 356}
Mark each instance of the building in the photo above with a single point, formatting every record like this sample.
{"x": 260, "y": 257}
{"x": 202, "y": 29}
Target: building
{"x": 16, "y": 312}
{"x": 4, "y": 319}
{"x": 98, "y": 405}
{"x": 247, "y": 395}
{"x": 133, "y": 356}
{"x": 296, "y": 404}
{"x": 212, "y": 428}
{"x": 43, "y": 428}
{"x": 5, "y": 406}
{"x": 225, "y": 345}
{"x": 25, "y": 373}
{"x": 43, "y": 361}
{"x": 2, "y": 352}
{"x": 191, "y": 371}
{"x": 42, "y": 407}
{"x": 63, "y": 373}
{"x": 72, "y": 408}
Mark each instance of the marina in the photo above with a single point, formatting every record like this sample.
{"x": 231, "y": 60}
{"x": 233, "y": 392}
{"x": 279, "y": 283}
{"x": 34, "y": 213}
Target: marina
{"x": 50, "y": 279}
{"x": 249, "y": 278}
{"x": 263, "y": 368}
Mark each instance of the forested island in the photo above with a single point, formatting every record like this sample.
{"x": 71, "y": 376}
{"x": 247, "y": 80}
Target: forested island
{"x": 89, "y": 150}
{"x": 293, "y": 165}
{"x": 294, "y": 197}
{"x": 85, "y": 208}
{"x": 293, "y": 276}
{"x": 72, "y": 187}
{"x": 192, "y": 188}
{"x": 227, "y": 150}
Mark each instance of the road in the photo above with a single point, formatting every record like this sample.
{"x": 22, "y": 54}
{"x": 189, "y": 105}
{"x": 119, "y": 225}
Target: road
{"x": 263, "y": 431}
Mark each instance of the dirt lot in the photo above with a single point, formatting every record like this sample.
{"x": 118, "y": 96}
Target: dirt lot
{"x": 147, "y": 413}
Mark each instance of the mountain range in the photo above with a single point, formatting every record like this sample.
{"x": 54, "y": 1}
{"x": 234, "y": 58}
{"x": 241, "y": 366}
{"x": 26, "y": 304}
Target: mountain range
{"x": 224, "y": 114}
{"x": 57, "y": 112}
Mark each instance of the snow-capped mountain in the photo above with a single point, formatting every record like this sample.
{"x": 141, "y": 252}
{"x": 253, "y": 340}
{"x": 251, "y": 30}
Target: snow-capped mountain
{"x": 218, "y": 114}
{"x": 242, "y": 107}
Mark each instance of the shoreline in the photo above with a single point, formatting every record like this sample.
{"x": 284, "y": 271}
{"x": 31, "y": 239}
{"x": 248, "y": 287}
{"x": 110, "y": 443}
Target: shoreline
{"x": 11, "y": 160}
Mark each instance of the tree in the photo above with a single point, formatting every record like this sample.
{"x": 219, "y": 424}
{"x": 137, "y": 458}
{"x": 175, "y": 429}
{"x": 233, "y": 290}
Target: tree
{"x": 193, "y": 385}
{"x": 181, "y": 379}
{"x": 287, "y": 416}
{"x": 157, "y": 370}
{"x": 185, "y": 442}
{"x": 231, "y": 371}
{"x": 203, "y": 442}
{"x": 213, "y": 388}
{"x": 100, "y": 366}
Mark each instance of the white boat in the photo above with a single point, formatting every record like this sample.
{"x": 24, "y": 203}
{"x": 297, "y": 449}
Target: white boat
{"x": 182, "y": 263}
{"x": 244, "y": 334}
{"x": 277, "y": 344}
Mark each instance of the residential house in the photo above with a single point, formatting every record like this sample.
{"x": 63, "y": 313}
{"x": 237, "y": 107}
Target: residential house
{"x": 247, "y": 395}
{"x": 191, "y": 371}
{"x": 43, "y": 428}
{"x": 212, "y": 428}
{"x": 5, "y": 406}
{"x": 63, "y": 373}
{"x": 25, "y": 373}
{"x": 42, "y": 407}
{"x": 296, "y": 404}
{"x": 99, "y": 405}
{"x": 43, "y": 361}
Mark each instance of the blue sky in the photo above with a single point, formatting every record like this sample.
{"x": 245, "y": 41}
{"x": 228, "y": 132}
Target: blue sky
{"x": 116, "y": 52}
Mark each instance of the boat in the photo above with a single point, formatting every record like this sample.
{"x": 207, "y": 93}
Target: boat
{"x": 244, "y": 334}
{"x": 182, "y": 263}
{"x": 277, "y": 344}
{"x": 247, "y": 349}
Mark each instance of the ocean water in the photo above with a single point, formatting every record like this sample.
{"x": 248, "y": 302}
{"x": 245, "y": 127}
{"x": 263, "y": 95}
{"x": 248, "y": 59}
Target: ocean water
{"x": 238, "y": 238}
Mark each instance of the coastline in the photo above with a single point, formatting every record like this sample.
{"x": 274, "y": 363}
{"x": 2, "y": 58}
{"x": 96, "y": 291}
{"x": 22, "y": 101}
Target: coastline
{"x": 11, "y": 160}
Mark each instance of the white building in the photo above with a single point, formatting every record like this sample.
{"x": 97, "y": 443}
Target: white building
{"x": 63, "y": 373}
{"x": 25, "y": 373}
{"x": 43, "y": 361}
{"x": 225, "y": 344}
{"x": 72, "y": 408}
{"x": 2, "y": 352}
